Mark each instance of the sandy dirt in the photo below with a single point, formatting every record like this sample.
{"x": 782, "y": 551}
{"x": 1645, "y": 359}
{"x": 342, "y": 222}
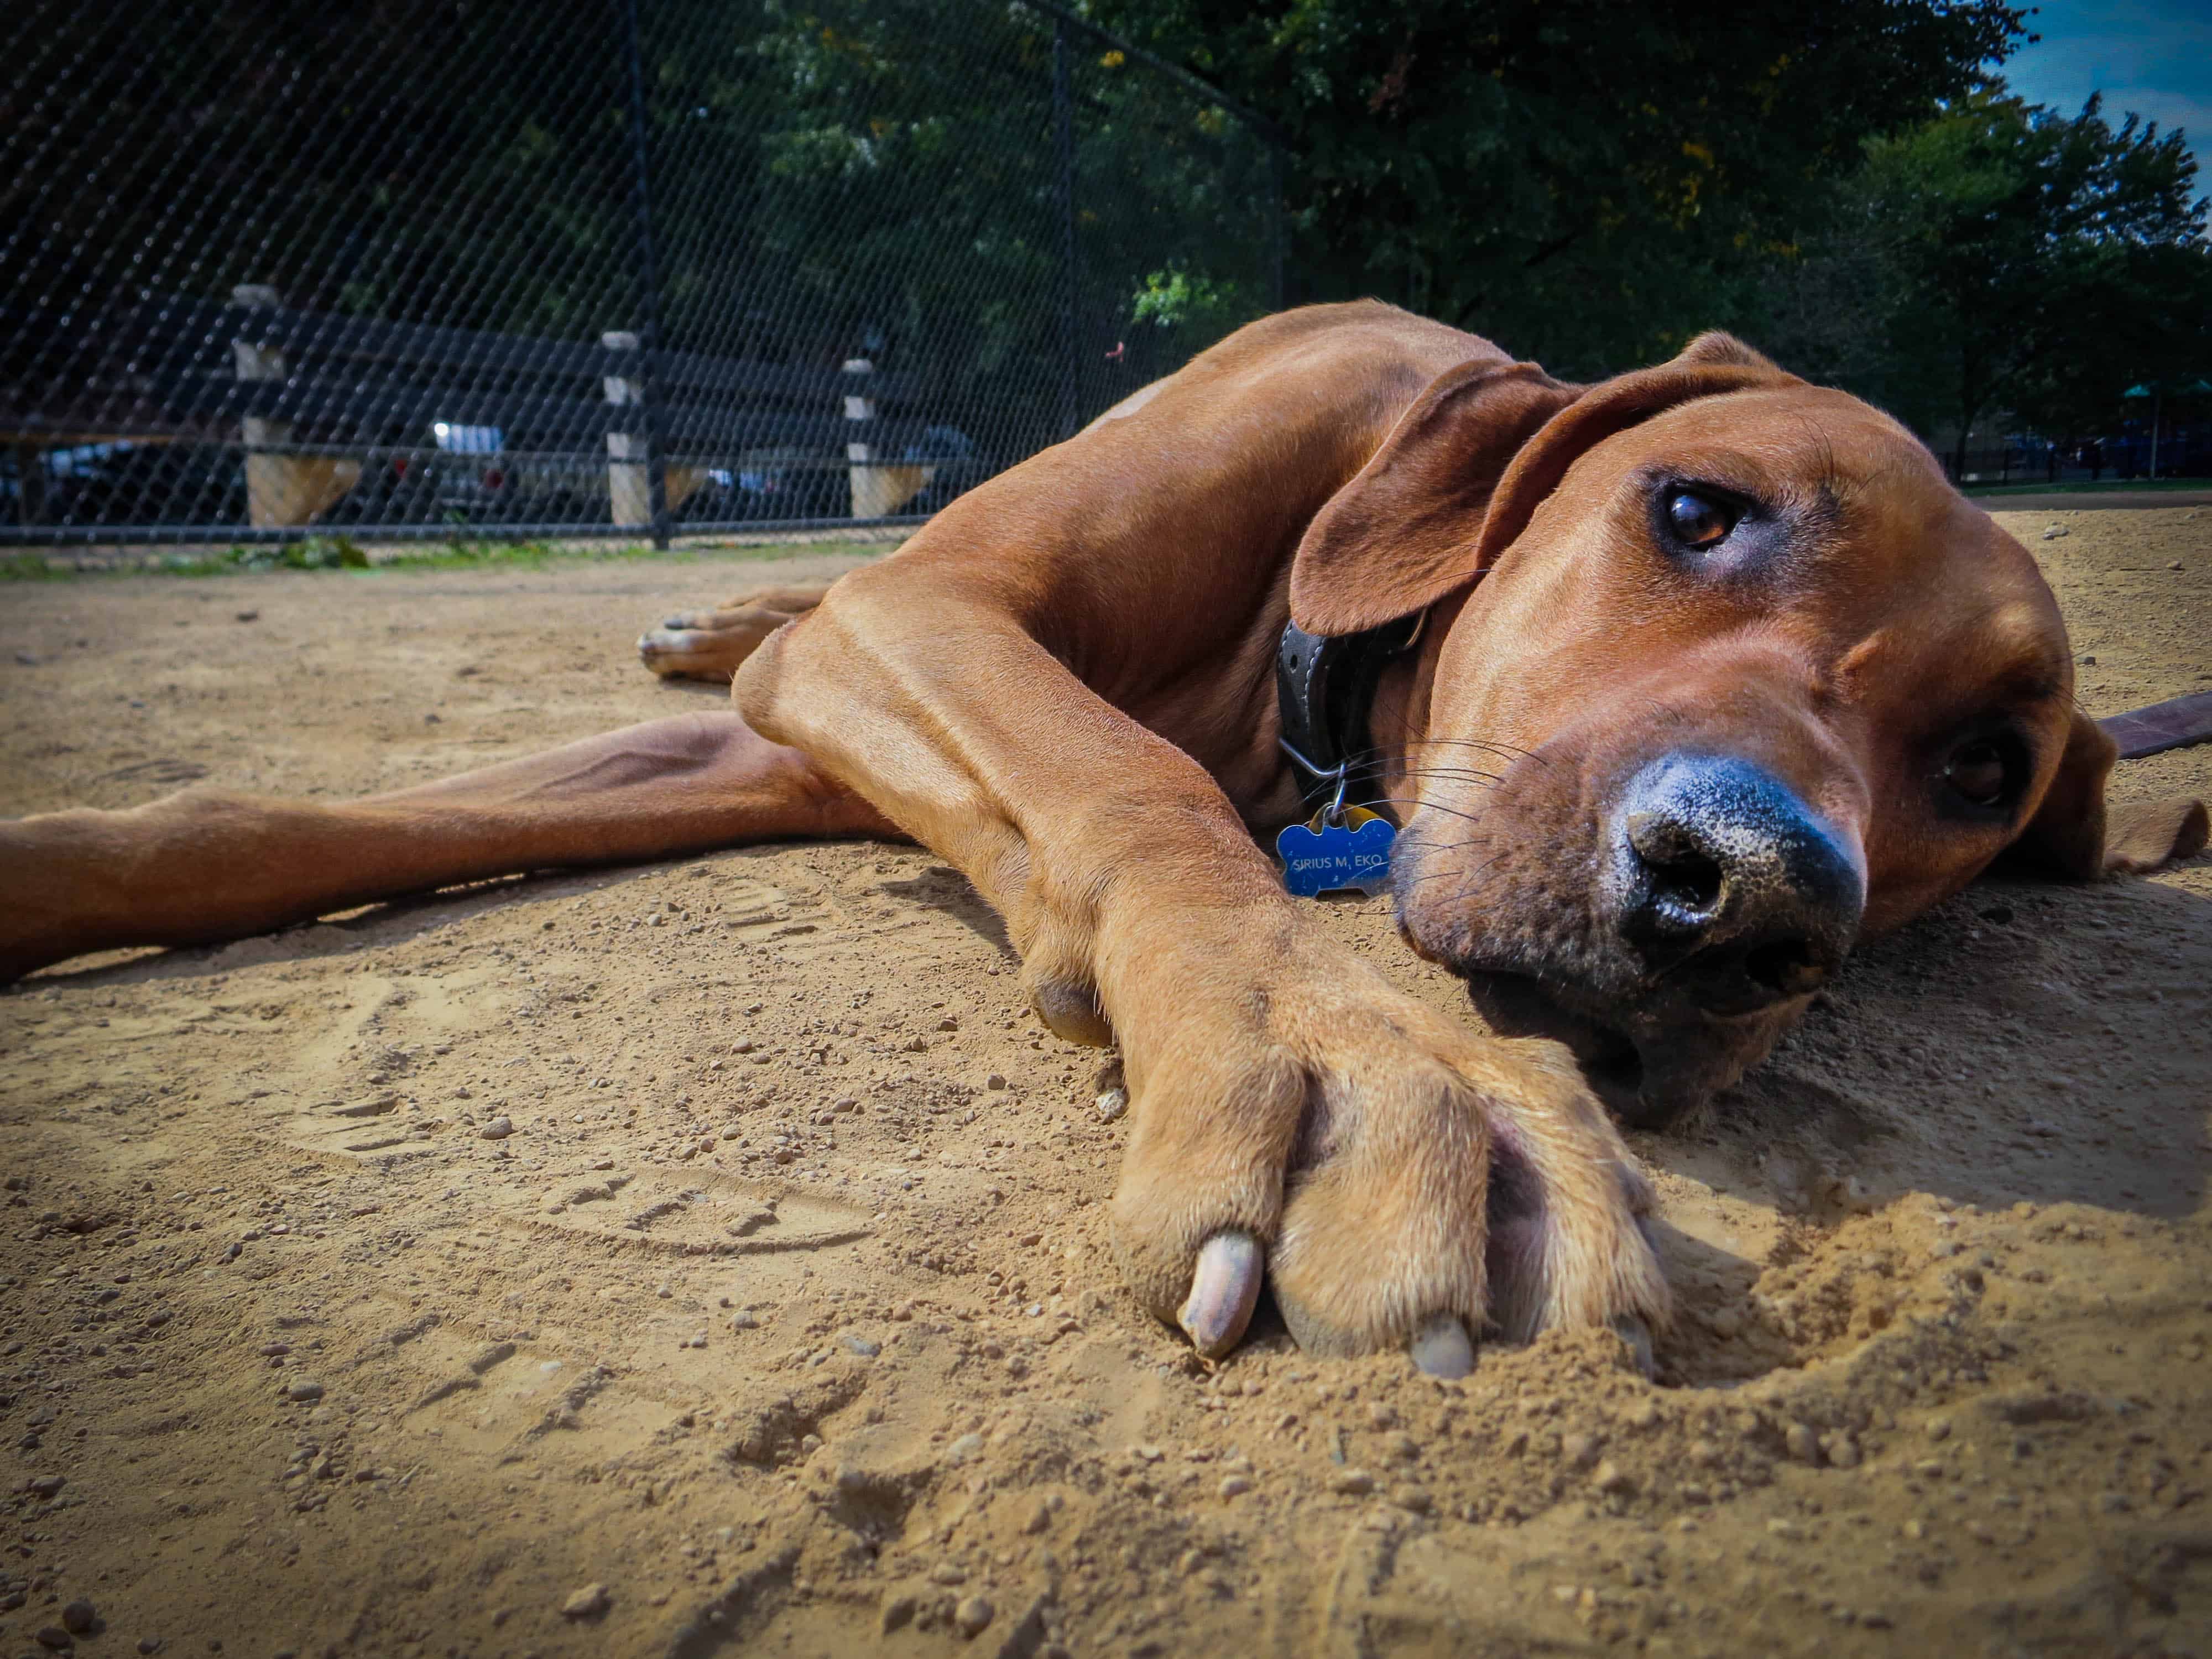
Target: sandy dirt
{"x": 783, "y": 1312}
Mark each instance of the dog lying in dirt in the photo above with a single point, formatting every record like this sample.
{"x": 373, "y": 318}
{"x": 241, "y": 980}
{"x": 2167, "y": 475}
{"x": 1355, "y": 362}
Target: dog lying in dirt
{"x": 1670, "y": 689}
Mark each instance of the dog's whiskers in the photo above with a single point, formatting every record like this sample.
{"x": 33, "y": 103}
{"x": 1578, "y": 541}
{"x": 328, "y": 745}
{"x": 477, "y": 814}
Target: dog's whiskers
{"x": 1378, "y": 751}
{"x": 1410, "y": 800}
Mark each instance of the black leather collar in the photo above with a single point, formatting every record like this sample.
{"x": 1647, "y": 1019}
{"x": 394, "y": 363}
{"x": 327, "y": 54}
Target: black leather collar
{"x": 1324, "y": 688}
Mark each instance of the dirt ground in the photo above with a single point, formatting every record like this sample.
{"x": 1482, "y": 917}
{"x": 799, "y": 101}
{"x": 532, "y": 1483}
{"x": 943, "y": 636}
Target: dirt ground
{"x": 727, "y": 1235}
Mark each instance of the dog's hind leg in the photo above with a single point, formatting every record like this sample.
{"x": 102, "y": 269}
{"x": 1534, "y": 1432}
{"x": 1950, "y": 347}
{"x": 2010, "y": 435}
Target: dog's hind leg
{"x": 710, "y": 645}
{"x": 208, "y": 864}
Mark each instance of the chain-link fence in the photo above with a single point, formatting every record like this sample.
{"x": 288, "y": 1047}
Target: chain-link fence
{"x": 410, "y": 267}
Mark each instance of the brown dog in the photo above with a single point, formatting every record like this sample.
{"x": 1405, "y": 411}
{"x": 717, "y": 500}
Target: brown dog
{"x": 1743, "y": 680}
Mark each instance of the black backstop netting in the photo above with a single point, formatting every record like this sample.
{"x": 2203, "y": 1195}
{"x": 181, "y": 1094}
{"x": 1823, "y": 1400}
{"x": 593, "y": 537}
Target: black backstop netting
{"x": 624, "y": 267}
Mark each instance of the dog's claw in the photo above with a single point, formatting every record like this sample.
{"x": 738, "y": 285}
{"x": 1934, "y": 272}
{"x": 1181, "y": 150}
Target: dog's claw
{"x": 1224, "y": 1289}
{"x": 1637, "y": 1335}
{"x": 1441, "y": 1347}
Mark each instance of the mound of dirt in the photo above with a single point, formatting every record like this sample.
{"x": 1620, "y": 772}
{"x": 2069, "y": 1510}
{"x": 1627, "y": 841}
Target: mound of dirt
{"x": 710, "y": 1257}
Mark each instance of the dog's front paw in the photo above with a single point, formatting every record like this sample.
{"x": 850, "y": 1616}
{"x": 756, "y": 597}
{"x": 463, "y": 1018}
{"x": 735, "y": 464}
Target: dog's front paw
{"x": 712, "y": 645}
{"x": 1400, "y": 1181}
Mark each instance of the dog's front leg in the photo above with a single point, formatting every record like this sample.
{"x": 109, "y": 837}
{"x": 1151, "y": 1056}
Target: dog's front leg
{"x": 1403, "y": 1179}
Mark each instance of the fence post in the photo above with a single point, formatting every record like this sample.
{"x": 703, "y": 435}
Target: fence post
{"x": 878, "y": 490}
{"x": 31, "y": 484}
{"x": 629, "y": 486}
{"x": 633, "y": 459}
{"x": 1278, "y": 225}
{"x": 281, "y": 487}
{"x": 1063, "y": 121}
{"x": 647, "y": 339}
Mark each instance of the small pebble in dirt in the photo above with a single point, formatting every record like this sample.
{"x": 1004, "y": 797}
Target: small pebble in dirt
{"x": 2051, "y": 533}
{"x": 498, "y": 1129}
{"x": 1235, "y": 1485}
{"x": 149, "y": 1644}
{"x": 1580, "y": 1450}
{"x": 1352, "y": 1483}
{"x": 1112, "y": 1103}
{"x": 1612, "y": 1479}
{"x": 973, "y": 1613}
{"x": 588, "y": 1602}
{"x": 78, "y": 1618}
{"x": 55, "y": 1637}
{"x": 898, "y": 1612}
{"x": 742, "y": 1320}
{"x": 945, "y": 1573}
{"x": 303, "y": 1390}
{"x": 1802, "y": 1443}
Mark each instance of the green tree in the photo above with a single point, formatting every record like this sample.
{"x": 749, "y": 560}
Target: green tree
{"x": 2005, "y": 256}
{"x": 1590, "y": 181}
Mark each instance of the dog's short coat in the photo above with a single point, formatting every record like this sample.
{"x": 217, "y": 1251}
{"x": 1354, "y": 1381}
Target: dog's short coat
{"x": 1718, "y": 674}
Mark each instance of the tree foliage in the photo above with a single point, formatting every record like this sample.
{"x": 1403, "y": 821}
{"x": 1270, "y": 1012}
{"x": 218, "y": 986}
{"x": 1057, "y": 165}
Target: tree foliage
{"x": 2005, "y": 256}
{"x": 1588, "y": 181}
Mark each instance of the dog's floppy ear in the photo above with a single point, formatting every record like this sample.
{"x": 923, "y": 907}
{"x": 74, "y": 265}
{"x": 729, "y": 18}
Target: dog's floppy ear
{"x": 2075, "y": 834}
{"x": 1400, "y": 535}
{"x": 1465, "y": 468}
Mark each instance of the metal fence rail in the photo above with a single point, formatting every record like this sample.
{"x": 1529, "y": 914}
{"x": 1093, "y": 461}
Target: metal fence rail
{"x": 2128, "y": 456}
{"x": 410, "y": 268}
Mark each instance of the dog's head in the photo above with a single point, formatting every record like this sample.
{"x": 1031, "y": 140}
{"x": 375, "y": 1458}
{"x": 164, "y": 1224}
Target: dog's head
{"x": 1743, "y": 680}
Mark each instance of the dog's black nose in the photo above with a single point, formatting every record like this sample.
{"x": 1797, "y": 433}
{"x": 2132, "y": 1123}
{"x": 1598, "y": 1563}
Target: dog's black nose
{"x": 1730, "y": 887}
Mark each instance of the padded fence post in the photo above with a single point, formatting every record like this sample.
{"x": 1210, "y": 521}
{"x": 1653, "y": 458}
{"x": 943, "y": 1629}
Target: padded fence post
{"x": 281, "y": 487}
{"x": 878, "y": 490}
{"x": 629, "y": 484}
{"x": 631, "y": 454}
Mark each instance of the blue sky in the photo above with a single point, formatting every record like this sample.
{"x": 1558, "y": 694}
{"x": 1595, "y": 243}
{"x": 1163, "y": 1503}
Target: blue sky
{"x": 2154, "y": 57}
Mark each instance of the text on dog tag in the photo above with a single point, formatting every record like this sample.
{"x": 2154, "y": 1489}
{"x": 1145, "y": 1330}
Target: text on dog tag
{"x": 1324, "y": 858}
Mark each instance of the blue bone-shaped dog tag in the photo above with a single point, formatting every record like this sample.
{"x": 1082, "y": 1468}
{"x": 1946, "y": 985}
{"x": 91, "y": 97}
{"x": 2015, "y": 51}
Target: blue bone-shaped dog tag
{"x": 1320, "y": 858}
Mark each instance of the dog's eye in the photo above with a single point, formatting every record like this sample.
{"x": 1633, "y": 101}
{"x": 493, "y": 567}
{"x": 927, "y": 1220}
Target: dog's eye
{"x": 1979, "y": 774}
{"x": 1698, "y": 520}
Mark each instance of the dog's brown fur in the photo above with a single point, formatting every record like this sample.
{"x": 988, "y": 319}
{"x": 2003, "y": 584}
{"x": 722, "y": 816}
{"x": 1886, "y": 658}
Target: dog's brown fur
{"x": 1063, "y": 684}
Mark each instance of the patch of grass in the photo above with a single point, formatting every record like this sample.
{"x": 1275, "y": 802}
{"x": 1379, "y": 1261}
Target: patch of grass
{"x": 28, "y": 567}
{"x": 345, "y": 554}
